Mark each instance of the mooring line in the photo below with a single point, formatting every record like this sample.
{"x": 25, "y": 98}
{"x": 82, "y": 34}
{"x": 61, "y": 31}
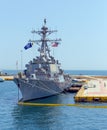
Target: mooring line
{"x": 56, "y": 105}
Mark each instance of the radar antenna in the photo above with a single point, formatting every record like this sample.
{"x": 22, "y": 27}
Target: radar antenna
{"x": 44, "y": 33}
{"x": 44, "y": 21}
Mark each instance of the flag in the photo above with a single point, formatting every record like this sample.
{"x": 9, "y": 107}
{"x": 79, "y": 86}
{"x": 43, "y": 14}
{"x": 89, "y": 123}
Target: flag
{"x": 55, "y": 44}
{"x": 27, "y": 46}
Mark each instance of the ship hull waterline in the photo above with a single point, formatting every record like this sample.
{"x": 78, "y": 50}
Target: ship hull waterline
{"x": 36, "y": 89}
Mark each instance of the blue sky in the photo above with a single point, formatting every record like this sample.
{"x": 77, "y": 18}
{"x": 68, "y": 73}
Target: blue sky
{"x": 81, "y": 24}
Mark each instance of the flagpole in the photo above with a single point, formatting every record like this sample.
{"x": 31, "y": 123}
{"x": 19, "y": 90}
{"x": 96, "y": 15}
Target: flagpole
{"x": 21, "y": 61}
{"x": 17, "y": 66}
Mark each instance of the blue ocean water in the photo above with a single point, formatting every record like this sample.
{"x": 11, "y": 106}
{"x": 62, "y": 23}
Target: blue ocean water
{"x": 16, "y": 117}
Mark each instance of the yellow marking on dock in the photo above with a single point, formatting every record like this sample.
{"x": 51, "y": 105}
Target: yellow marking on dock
{"x": 7, "y": 77}
{"x": 57, "y": 105}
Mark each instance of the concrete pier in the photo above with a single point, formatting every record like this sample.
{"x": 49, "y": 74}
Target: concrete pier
{"x": 93, "y": 90}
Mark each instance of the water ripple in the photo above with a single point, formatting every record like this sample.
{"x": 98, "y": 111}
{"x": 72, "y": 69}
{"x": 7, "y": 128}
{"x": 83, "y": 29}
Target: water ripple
{"x": 15, "y": 117}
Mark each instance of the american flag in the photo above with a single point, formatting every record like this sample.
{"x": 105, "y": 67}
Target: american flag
{"x": 55, "y": 44}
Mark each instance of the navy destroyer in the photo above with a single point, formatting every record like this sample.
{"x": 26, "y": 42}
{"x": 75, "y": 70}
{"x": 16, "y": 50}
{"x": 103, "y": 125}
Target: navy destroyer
{"x": 43, "y": 76}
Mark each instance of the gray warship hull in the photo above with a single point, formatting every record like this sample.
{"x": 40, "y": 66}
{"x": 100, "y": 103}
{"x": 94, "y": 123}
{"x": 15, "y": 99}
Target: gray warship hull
{"x": 35, "y": 89}
{"x": 43, "y": 76}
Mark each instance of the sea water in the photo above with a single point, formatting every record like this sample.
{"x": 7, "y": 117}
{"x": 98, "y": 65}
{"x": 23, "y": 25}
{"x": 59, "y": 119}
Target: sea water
{"x": 16, "y": 117}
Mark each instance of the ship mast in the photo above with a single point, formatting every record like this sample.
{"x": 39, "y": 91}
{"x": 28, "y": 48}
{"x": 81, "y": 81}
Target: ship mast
{"x": 44, "y": 32}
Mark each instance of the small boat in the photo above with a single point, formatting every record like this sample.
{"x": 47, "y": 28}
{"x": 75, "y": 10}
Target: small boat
{"x": 1, "y": 80}
{"x": 79, "y": 80}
